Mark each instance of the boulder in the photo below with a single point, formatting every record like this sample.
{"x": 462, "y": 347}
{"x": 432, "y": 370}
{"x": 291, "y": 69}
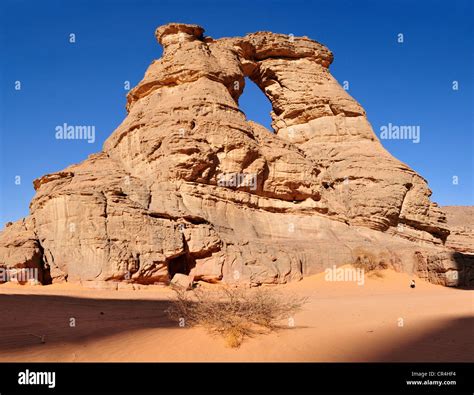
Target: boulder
{"x": 182, "y": 281}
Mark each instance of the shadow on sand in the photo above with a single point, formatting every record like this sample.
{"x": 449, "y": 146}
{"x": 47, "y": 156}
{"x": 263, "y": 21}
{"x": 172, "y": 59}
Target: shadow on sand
{"x": 63, "y": 319}
{"x": 439, "y": 344}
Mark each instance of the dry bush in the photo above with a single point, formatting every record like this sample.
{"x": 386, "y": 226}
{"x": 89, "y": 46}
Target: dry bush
{"x": 377, "y": 274}
{"x": 234, "y": 313}
{"x": 368, "y": 261}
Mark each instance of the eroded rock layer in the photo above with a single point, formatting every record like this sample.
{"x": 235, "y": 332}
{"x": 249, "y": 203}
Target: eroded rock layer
{"x": 461, "y": 224}
{"x": 186, "y": 184}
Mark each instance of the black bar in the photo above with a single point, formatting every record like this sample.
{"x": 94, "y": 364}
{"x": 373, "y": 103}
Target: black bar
{"x": 316, "y": 378}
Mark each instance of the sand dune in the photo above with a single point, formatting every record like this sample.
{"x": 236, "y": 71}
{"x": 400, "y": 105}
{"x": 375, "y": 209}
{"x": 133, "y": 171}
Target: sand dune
{"x": 383, "y": 320}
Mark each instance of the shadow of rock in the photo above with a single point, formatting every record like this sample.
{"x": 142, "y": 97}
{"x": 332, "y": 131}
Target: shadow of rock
{"x": 56, "y": 319}
{"x": 466, "y": 274}
{"x": 440, "y": 344}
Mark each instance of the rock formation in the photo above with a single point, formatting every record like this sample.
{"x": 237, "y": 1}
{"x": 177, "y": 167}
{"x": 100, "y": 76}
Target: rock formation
{"x": 461, "y": 224}
{"x": 186, "y": 184}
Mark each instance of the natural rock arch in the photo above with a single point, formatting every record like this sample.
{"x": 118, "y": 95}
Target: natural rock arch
{"x": 159, "y": 192}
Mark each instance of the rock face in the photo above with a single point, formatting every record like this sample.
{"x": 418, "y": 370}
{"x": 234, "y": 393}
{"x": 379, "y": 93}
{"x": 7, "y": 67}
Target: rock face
{"x": 186, "y": 184}
{"x": 461, "y": 224}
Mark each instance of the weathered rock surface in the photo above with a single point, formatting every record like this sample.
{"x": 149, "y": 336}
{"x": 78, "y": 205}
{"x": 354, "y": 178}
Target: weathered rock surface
{"x": 182, "y": 281}
{"x": 186, "y": 184}
{"x": 461, "y": 224}
{"x": 20, "y": 249}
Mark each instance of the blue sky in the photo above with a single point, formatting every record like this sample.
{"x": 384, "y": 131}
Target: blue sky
{"x": 82, "y": 83}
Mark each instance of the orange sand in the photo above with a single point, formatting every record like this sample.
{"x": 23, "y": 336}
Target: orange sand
{"x": 341, "y": 322}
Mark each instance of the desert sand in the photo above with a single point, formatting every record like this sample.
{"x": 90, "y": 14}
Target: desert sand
{"x": 341, "y": 322}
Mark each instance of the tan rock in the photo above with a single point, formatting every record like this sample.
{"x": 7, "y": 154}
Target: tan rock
{"x": 187, "y": 185}
{"x": 182, "y": 281}
{"x": 20, "y": 249}
{"x": 461, "y": 224}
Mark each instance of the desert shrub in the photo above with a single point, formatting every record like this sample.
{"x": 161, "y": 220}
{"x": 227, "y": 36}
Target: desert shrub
{"x": 234, "y": 313}
{"x": 376, "y": 274}
{"x": 368, "y": 261}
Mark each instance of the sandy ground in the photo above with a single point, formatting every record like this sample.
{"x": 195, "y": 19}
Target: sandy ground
{"x": 383, "y": 320}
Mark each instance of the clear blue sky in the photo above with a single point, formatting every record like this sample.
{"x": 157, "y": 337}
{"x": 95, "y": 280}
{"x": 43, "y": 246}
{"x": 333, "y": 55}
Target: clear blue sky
{"x": 83, "y": 83}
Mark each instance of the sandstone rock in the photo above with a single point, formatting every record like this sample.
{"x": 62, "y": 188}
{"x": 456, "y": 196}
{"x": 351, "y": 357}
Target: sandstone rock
{"x": 445, "y": 267}
{"x": 187, "y": 185}
{"x": 461, "y": 224}
{"x": 20, "y": 249}
{"x": 182, "y": 281}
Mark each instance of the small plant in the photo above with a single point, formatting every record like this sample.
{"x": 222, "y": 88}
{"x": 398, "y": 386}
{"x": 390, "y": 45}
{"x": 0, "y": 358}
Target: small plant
{"x": 367, "y": 261}
{"x": 234, "y": 313}
{"x": 376, "y": 274}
